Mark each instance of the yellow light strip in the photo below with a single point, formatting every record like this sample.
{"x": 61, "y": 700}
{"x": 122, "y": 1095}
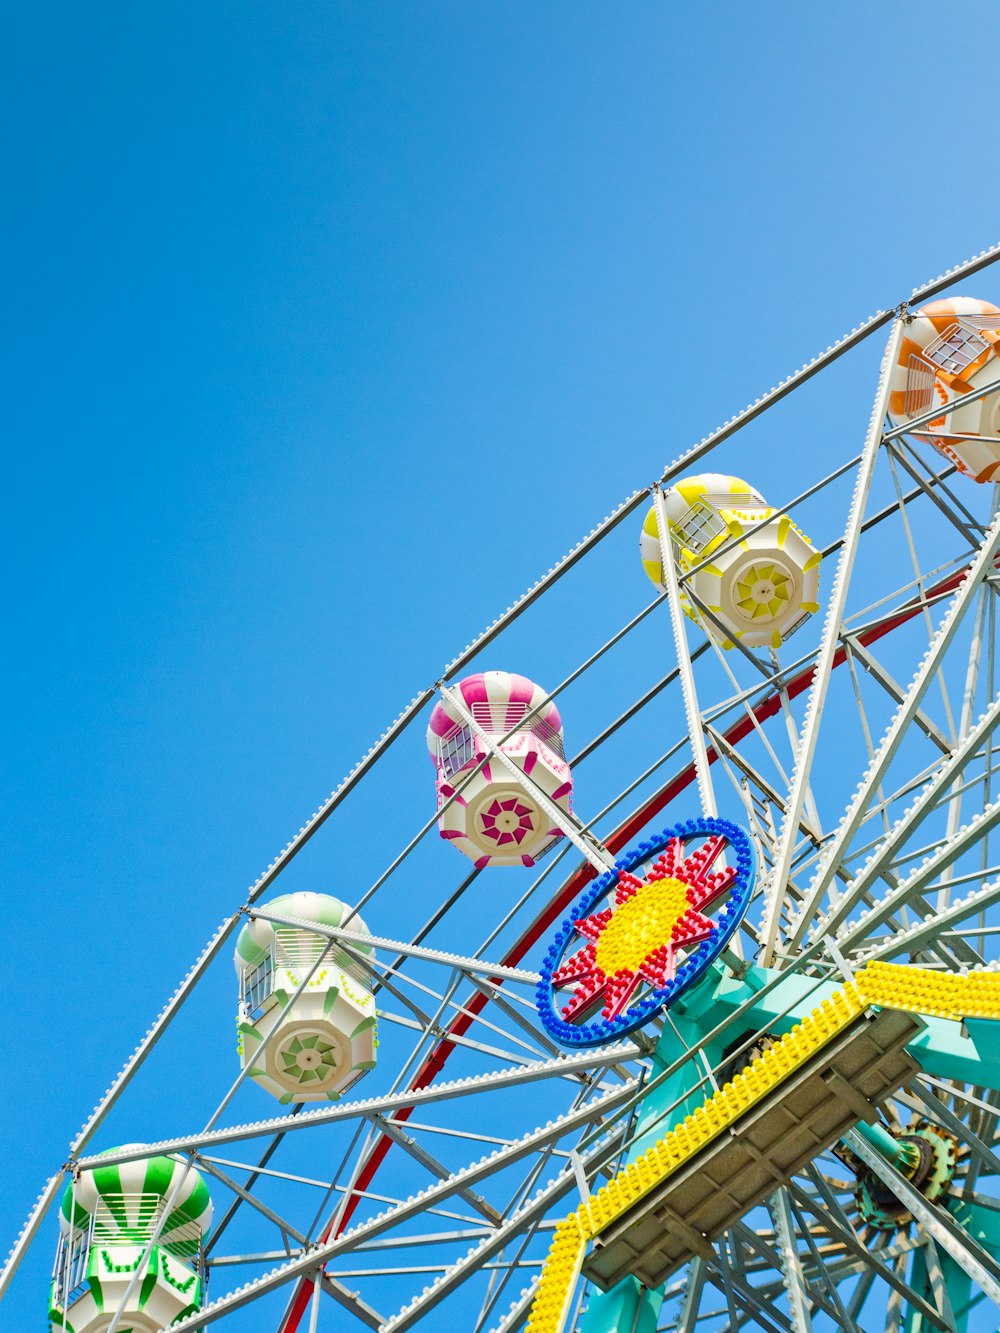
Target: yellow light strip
{"x": 918, "y": 990}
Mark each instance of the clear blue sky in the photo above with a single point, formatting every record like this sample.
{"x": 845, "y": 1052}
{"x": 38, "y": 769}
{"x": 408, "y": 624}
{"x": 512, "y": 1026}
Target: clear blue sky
{"x": 330, "y": 327}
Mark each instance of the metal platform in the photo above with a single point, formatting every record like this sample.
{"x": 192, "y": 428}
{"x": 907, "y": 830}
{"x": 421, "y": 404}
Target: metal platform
{"x": 843, "y": 1083}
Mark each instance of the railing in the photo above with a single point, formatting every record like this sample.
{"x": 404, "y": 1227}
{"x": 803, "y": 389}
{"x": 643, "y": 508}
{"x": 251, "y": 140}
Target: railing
{"x": 458, "y": 748}
{"x": 919, "y": 386}
{"x": 297, "y": 948}
{"x": 132, "y": 1219}
{"x": 293, "y": 948}
{"x": 122, "y": 1220}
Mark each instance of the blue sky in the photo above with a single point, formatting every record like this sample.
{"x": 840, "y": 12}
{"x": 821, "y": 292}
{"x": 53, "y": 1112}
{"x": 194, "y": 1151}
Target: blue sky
{"x": 330, "y": 327}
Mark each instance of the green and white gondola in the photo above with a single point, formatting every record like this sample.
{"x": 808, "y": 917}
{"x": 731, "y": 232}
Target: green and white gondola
{"x": 316, "y": 994}
{"x": 107, "y": 1219}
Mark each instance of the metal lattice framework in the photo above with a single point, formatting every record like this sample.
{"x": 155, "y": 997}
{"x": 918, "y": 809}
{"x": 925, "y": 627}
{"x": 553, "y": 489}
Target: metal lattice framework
{"x": 863, "y": 765}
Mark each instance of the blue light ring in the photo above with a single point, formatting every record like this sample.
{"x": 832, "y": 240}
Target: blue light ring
{"x": 601, "y": 1030}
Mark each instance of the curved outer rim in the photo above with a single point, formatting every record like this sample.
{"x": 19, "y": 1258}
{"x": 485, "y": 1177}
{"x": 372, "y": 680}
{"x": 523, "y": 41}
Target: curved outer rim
{"x": 692, "y": 970}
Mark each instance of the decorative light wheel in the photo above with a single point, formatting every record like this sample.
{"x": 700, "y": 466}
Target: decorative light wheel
{"x": 727, "y": 1055}
{"x": 641, "y": 936}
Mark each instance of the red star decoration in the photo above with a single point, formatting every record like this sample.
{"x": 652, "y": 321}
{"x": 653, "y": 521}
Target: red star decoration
{"x": 582, "y": 971}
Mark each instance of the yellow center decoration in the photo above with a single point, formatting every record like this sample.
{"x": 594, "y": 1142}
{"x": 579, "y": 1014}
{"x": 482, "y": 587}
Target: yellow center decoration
{"x": 762, "y": 590}
{"x": 640, "y": 925}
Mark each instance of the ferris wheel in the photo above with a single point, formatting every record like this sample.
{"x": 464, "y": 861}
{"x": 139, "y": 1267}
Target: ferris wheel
{"x": 670, "y": 998}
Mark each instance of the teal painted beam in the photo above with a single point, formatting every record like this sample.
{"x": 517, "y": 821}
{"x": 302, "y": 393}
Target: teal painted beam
{"x": 680, "y": 1092}
{"x": 957, "y": 1285}
{"x": 891, "y": 1149}
{"x": 629, "y": 1307}
{"x": 980, "y": 1221}
{"x": 968, "y": 1051}
{"x": 983, "y": 1224}
{"x": 626, "y": 1308}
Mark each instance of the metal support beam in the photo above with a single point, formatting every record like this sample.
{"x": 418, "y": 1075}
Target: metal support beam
{"x": 478, "y": 1256}
{"x": 896, "y": 692}
{"x": 929, "y": 929}
{"x": 911, "y": 427}
{"x": 366, "y": 1107}
{"x": 902, "y": 831}
{"x": 477, "y": 966}
{"x": 950, "y": 512}
{"x": 796, "y": 1286}
{"x": 825, "y": 1206}
{"x": 421, "y": 1203}
{"x": 924, "y": 875}
{"x": 351, "y": 1301}
{"x": 436, "y": 1168}
{"x": 706, "y": 794}
{"x": 30, "y": 1228}
{"x": 286, "y": 1228}
{"x": 837, "y": 848}
{"x": 787, "y": 838}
